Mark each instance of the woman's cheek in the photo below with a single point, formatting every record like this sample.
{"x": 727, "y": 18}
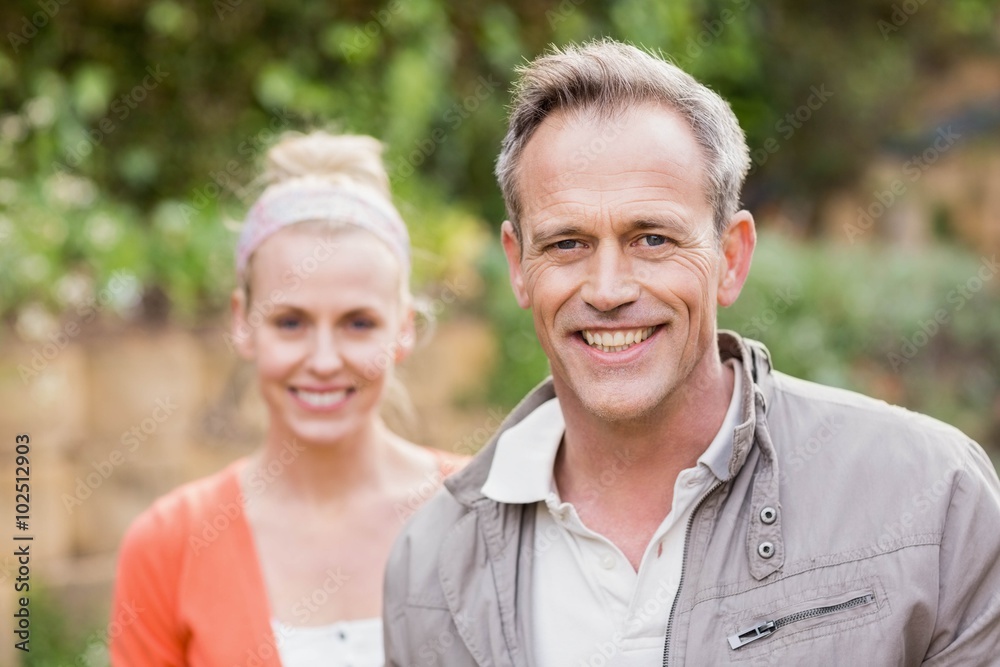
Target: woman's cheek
{"x": 370, "y": 358}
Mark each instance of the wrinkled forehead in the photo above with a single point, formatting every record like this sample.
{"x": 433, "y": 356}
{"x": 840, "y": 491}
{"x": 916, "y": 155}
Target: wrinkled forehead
{"x": 646, "y": 153}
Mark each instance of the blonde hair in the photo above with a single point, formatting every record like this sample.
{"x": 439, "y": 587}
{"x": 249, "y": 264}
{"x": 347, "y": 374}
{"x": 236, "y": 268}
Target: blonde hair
{"x": 344, "y": 159}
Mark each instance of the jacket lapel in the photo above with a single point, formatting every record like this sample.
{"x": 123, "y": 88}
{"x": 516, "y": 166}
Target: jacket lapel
{"x": 482, "y": 587}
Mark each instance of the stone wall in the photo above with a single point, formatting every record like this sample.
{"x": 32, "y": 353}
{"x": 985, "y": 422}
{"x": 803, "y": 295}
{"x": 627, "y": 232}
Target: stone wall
{"x": 119, "y": 418}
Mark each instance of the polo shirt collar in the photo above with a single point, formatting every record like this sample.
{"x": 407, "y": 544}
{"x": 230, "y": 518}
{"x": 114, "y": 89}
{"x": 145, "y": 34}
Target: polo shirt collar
{"x": 525, "y": 455}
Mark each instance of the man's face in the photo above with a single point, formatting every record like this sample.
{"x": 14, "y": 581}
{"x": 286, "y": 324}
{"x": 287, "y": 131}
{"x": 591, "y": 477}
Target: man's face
{"x": 618, "y": 259}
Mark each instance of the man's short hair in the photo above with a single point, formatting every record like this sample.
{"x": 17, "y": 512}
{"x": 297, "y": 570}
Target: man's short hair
{"x": 608, "y": 78}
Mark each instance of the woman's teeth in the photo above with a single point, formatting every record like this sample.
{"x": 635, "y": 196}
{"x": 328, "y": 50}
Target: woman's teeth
{"x": 616, "y": 341}
{"x": 322, "y": 399}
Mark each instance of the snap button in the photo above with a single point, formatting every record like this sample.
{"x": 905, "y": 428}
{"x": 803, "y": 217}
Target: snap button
{"x": 765, "y": 549}
{"x": 768, "y": 515}
{"x": 608, "y": 562}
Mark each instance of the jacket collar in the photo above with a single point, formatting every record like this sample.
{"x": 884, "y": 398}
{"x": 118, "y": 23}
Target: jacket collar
{"x": 466, "y": 485}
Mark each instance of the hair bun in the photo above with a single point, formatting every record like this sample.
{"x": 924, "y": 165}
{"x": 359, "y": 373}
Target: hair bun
{"x": 344, "y": 158}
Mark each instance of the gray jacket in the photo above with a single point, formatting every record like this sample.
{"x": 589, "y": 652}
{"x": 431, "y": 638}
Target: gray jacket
{"x": 844, "y": 531}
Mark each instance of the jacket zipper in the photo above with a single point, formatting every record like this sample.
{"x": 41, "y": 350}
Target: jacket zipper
{"x": 767, "y": 628}
{"x": 680, "y": 582}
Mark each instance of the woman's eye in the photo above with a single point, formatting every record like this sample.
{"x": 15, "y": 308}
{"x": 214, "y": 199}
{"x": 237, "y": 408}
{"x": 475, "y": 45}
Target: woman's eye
{"x": 654, "y": 239}
{"x": 362, "y": 324}
{"x": 566, "y": 244}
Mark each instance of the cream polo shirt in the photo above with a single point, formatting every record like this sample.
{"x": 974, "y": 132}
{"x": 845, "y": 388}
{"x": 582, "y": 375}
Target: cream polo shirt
{"x": 589, "y": 606}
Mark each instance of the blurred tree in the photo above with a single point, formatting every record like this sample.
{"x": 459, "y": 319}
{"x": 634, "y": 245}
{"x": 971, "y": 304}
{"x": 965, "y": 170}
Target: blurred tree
{"x": 153, "y": 101}
{"x": 130, "y": 130}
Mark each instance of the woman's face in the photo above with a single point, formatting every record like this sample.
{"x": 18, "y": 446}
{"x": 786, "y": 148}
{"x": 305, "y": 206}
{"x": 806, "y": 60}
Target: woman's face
{"x": 325, "y": 324}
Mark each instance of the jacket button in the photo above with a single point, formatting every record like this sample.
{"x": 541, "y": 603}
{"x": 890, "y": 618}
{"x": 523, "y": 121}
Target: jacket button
{"x": 768, "y": 515}
{"x": 765, "y": 549}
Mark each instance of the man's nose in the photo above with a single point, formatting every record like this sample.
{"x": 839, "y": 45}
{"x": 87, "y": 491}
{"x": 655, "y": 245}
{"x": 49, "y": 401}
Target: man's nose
{"x": 610, "y": 281}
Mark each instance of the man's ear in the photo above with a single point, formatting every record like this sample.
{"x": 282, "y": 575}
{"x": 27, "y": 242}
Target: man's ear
{"x": 738, "y": 243}
{"x": 407, "y": 338}
{"x": 512, "y": 248}
{"x": 241, "y": 333}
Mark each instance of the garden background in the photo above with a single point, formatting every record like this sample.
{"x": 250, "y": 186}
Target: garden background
{"x": 131, "y": 132}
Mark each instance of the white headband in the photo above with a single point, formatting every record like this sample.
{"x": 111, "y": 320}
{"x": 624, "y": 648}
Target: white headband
{"x": 312, "y": 198}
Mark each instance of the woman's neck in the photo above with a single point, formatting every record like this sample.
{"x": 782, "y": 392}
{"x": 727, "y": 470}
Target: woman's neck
{"x": 291, "y": 470}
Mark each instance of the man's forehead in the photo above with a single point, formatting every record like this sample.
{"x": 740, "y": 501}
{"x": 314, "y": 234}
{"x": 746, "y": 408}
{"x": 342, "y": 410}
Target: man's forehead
{"x": 576, "y": 142}
{"x": 647, "y": 154}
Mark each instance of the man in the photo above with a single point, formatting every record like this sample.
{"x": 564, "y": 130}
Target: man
{"x": 667, "y": 497}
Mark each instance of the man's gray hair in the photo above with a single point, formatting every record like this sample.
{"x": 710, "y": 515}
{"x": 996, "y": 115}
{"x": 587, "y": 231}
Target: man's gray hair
{"x": 608, "y": 78}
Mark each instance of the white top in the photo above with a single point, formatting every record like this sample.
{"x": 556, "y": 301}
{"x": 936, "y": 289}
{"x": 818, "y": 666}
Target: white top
{"x": 344, "y": 644}
{"x": 589, "y": 606}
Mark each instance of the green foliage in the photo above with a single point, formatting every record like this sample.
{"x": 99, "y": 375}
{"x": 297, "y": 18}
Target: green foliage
{"x": 172, "y": 103}
{"x": 521, "y": 362}
{"x": 54, "y": 644}
{"x": 917, "y": 329}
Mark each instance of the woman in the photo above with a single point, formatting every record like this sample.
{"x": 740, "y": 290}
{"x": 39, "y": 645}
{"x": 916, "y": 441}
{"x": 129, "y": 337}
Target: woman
{"x": 278, "y": 559}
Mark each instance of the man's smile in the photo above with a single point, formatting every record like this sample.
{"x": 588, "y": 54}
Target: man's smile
{"x": 616, "y": 340}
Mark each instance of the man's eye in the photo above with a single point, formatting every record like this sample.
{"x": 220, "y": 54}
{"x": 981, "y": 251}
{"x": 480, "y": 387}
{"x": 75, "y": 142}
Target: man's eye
{"x": 654, "y": 239}
{"x": 566, "y": 244}
{"x": 362, "y": 323}
{"x": 288, "y": 323}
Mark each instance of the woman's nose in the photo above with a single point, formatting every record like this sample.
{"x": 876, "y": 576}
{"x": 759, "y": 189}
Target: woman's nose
{"x": 325, "y": 357}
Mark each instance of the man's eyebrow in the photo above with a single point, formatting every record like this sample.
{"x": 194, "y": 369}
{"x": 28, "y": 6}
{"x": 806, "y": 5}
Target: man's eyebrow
{"x": 545, "y": 236}
{"x": 649, "y": 223}
{"x": 664, "y": 223}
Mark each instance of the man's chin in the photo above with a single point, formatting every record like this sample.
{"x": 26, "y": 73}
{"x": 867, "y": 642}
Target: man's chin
{"x": 620, "y": 409}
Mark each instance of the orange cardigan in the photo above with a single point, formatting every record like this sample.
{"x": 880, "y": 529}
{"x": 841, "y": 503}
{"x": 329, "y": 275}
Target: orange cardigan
{"x": 189, "y": 590}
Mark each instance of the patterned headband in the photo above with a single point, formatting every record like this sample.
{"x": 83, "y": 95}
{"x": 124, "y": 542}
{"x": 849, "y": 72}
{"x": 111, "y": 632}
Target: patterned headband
{"x": 311, "y": 198}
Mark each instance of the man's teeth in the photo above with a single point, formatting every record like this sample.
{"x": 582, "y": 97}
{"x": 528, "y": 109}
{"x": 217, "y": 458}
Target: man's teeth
{"x": 321, "y": 399}
{"x": 616, "y": 341}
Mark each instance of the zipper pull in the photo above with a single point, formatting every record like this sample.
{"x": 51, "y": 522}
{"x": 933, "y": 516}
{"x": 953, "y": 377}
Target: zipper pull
{"x": 744, "y": 637}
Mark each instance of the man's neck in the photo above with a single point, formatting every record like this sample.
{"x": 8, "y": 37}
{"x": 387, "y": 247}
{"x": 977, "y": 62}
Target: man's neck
{"x": 620, "y": 476}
